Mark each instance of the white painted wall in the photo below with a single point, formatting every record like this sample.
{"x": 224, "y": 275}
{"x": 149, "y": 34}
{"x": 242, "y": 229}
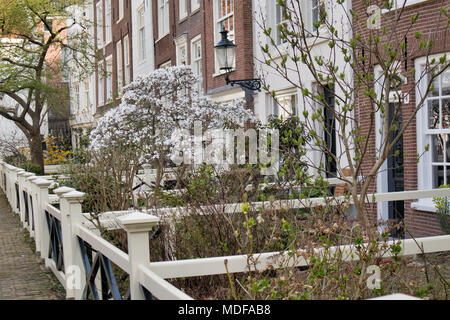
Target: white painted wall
{"x": 264, "y": 9}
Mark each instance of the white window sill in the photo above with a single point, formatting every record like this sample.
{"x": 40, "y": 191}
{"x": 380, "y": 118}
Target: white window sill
{"x": 182, "y": 18}
{"x": 161, "y": 37}
{"x": 221, "y": 73}
{"x": 400, "y": 5}
{"x": 422, "y": 206}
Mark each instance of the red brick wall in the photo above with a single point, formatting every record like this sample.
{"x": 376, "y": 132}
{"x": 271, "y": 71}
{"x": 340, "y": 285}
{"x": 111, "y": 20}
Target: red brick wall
{"x": 418, "y": 223}
{"x": 202, "y": 22}
{"x": 243, "y": 20}
{"x": 119, "y": 30}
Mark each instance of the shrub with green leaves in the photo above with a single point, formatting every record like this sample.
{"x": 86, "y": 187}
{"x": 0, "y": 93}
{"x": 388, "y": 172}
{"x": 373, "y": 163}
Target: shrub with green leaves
{"x": 443, "y": 211}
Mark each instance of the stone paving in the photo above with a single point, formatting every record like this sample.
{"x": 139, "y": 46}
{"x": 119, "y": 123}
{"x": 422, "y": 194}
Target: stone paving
{"x": 23, "y": 275}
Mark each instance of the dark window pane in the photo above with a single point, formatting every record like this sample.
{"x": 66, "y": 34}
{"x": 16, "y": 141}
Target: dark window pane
{"x": 433, "y": 114}
{"x": 447, "y": 175}
{"x": 445, "y": 113}
{"x": 438, "y": 176}
{"x": 437, "y": 148}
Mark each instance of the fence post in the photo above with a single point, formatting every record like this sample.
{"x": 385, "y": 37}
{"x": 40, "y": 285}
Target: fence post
{"x": 71, "y": 215}
{"x": 41, "y": 223}
{"x": 137, "y": 225}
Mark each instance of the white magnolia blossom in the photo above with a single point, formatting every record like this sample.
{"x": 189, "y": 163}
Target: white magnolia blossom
{"x": 155, "y": 106}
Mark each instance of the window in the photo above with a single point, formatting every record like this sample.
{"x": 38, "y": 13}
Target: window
{"x": 163, "y": 18}
{"x": 285, "y": 105}
{"x": 196, "y": 61}
{"x": 181, "y": 55}
{"x": 280, "y": 21}
{"x": 141, "y": 33}
{"x": 195, "y": 4}
{"x": 101, "y": 84}
{"x": 99, "y": 25}
{"x": 317, "y": 13}
{"x": 224, "y": 19}
{"x": 438, "y": 129}
{"x": 119, "y": 68}
{"x": 126, "y": 58}
{"x": 182, "y": 9}
{"x": 165, "y": 65}
{"x": 76, "y": 95}
{"x": 121, "y": 9}
{"x": 108, "y": 19}
{"x": 87, "y": 100}
{"x": 109, "y": 70}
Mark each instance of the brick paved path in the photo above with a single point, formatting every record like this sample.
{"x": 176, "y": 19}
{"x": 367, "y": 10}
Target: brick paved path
{"x": 22, "y": 274}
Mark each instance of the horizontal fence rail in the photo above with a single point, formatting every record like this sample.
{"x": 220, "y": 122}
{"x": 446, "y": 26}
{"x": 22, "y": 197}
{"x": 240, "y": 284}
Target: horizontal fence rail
{"x": 264, "y": 261}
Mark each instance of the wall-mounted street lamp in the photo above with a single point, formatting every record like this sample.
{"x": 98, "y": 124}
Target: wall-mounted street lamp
{"x": 226, "y": 52}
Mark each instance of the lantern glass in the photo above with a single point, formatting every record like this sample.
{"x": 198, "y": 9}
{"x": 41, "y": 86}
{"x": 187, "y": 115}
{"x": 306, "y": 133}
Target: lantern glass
{"x": 225, "y": 52}
{"x": 225, "y": 57}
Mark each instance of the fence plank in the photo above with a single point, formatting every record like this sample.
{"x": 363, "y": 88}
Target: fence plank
{"x": 239, "y": 263}
{"x": 159, "y": 287}
{"x": 113, "y": 253}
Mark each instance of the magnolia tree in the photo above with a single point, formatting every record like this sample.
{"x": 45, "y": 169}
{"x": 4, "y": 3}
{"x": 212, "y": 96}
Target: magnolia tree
{"x": 154, "y": 109}
{"x": 351, "y": 65}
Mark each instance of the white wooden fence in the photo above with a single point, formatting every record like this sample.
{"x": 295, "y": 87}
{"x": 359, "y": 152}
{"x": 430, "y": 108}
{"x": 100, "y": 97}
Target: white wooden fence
{"x": 63, "y": 235}
{"x": 61, "y": 238}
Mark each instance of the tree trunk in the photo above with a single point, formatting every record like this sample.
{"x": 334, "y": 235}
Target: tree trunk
{"x": 37, "y": 154}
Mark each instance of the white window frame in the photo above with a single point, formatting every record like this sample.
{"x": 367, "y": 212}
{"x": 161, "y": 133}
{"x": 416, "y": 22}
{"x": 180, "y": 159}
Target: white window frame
{"x": 197, "y": 60}
{"x": 86, "y": 96}
{"x": 76, "y": 95}
{"x": 100, "y": 24}
{"x": 424, "y": 137}
{"x": 163, "y": 18}
{"x": 399, "y": 4}
{"x": 108, "y": 21}
{"x": 141, "y": 33}
{"x": 165, "y": 64}
{"x": 218, "y": 20}
{"x": 109, "y": 78}
{"x": 180, "y": 45}
{"x": 286, "y": 94}
{"x": 276, "y": 15}
{"x": 126, "y": 58}
{"x": 101, "y": 84}
{"x": 195, "y": 5}
{"x": 119, "y": 67}
{"x": 315, "y": 5}
{"x": 182, "y": 9}
{"x": 121, "y": 10}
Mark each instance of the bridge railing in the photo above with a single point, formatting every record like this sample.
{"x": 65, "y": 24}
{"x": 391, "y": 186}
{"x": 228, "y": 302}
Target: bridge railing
{"x": 85, "y": 263}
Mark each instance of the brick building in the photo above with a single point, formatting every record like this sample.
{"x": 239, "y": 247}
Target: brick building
{"x": 433, "y": 169}
{"x": 136, "y": 36}
{"x": 186, "y": 32}
{"x": 111, "y": 32}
